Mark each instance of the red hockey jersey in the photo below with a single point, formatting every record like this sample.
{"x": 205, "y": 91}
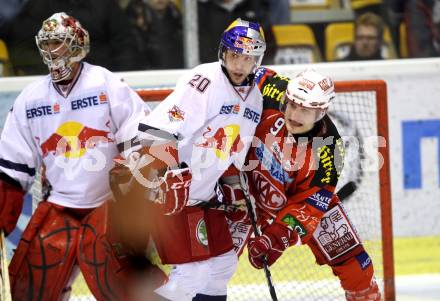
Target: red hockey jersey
{"x": 292, "y": 177}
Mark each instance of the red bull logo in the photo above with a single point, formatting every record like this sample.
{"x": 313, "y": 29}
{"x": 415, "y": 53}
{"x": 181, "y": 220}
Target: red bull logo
{"x": 244, "y": 43}
{"x": 176, "y": 114}
{"x": 225, "y": 141}
{"x": 72, "y": 139}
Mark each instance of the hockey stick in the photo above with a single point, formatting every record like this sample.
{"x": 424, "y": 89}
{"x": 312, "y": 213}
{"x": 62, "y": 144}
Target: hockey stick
{"x": 5, "y": 288}
{"x": 253, "y": 218}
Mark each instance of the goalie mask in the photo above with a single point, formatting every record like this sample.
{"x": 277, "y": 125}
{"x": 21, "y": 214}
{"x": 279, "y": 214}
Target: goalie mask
{"x": 62, "y": 42}
{"x": 243, "y": 37}
{"x": 311, "y": 91}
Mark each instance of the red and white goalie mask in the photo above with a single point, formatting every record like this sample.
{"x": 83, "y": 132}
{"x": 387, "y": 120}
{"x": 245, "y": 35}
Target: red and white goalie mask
{"x": 62, "y": 42}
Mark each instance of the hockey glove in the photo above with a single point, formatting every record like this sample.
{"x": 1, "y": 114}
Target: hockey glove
{"x": 174, "y": 190}
{"x": 11, "y": 204}
{"x": 274, "y": 239}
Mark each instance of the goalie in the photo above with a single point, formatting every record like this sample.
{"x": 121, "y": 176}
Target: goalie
{"x": 70, "y": 122}
{"x": 292, "y": 169}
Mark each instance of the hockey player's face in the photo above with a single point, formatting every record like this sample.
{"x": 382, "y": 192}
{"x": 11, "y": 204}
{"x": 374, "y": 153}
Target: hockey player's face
{"x": 239, "y": 66}
{"x": 299, "y": 119}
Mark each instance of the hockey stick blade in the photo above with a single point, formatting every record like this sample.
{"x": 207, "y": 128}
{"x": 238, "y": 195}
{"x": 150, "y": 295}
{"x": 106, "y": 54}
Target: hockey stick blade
{"x": 5, "y": 288}
{"x": 253, "y": 218}
{"x": 347, "y": 190}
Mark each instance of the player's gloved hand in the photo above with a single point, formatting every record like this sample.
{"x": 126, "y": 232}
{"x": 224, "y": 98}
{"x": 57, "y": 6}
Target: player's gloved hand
{"x": 11, "y": 204}
{"x": 174, "y": 190}
{"x": 275, "y": 238}
{"x": 233, "y": 197}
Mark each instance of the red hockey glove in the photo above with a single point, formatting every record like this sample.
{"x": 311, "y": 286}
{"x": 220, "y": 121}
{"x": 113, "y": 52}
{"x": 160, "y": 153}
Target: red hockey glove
{"x": 271, "y": 244}
{"x": 174, "y": 190}
{"x": 11, "y": 204}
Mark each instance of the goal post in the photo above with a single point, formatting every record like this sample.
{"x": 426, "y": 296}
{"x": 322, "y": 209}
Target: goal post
{"x": 379, "y": 88}
{"x": 360, "y": 113}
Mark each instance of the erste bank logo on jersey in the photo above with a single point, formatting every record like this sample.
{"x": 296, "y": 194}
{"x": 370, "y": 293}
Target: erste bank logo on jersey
{"x": 77, "y": 104}
{"x": 42, "y": 110}
{"x": 235, "y": 109}
{"x": 88, "y": 101}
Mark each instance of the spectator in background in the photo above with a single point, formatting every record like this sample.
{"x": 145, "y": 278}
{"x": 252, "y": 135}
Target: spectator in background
{"x": 158, "y": 30}
{"x": 423, "y": 27}
{"x": 279, "y": 12}
{"x": 9, "y": 9}
{"x": 113, "y": 43}
{"x": 215, "y": 15}
{"x": 368, "y": 38}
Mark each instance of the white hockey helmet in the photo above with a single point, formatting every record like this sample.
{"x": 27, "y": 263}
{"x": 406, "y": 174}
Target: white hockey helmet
{"x": 311, "y": 89}
{"x": 75, "y": 44}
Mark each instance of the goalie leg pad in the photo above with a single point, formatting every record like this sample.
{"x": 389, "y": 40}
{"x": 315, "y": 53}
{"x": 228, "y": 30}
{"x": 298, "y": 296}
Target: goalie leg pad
{"x": 43, "y": 261}
{"x": 110, "y": 271}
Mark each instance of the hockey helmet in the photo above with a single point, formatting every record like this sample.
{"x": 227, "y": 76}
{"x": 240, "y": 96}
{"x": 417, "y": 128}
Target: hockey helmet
{"x": 311, "y": 90}
{"x": 243, "y": 37}
{"x": 74, "y": 44}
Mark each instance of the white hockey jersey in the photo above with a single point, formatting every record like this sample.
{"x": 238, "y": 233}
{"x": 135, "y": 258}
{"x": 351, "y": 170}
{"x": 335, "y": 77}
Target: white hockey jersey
{"x": 214, "y": 121}
{"x": 74, "y": 137}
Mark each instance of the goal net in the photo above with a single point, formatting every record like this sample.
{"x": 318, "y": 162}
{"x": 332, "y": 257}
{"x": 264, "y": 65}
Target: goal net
{"x": 360, "y": 113}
